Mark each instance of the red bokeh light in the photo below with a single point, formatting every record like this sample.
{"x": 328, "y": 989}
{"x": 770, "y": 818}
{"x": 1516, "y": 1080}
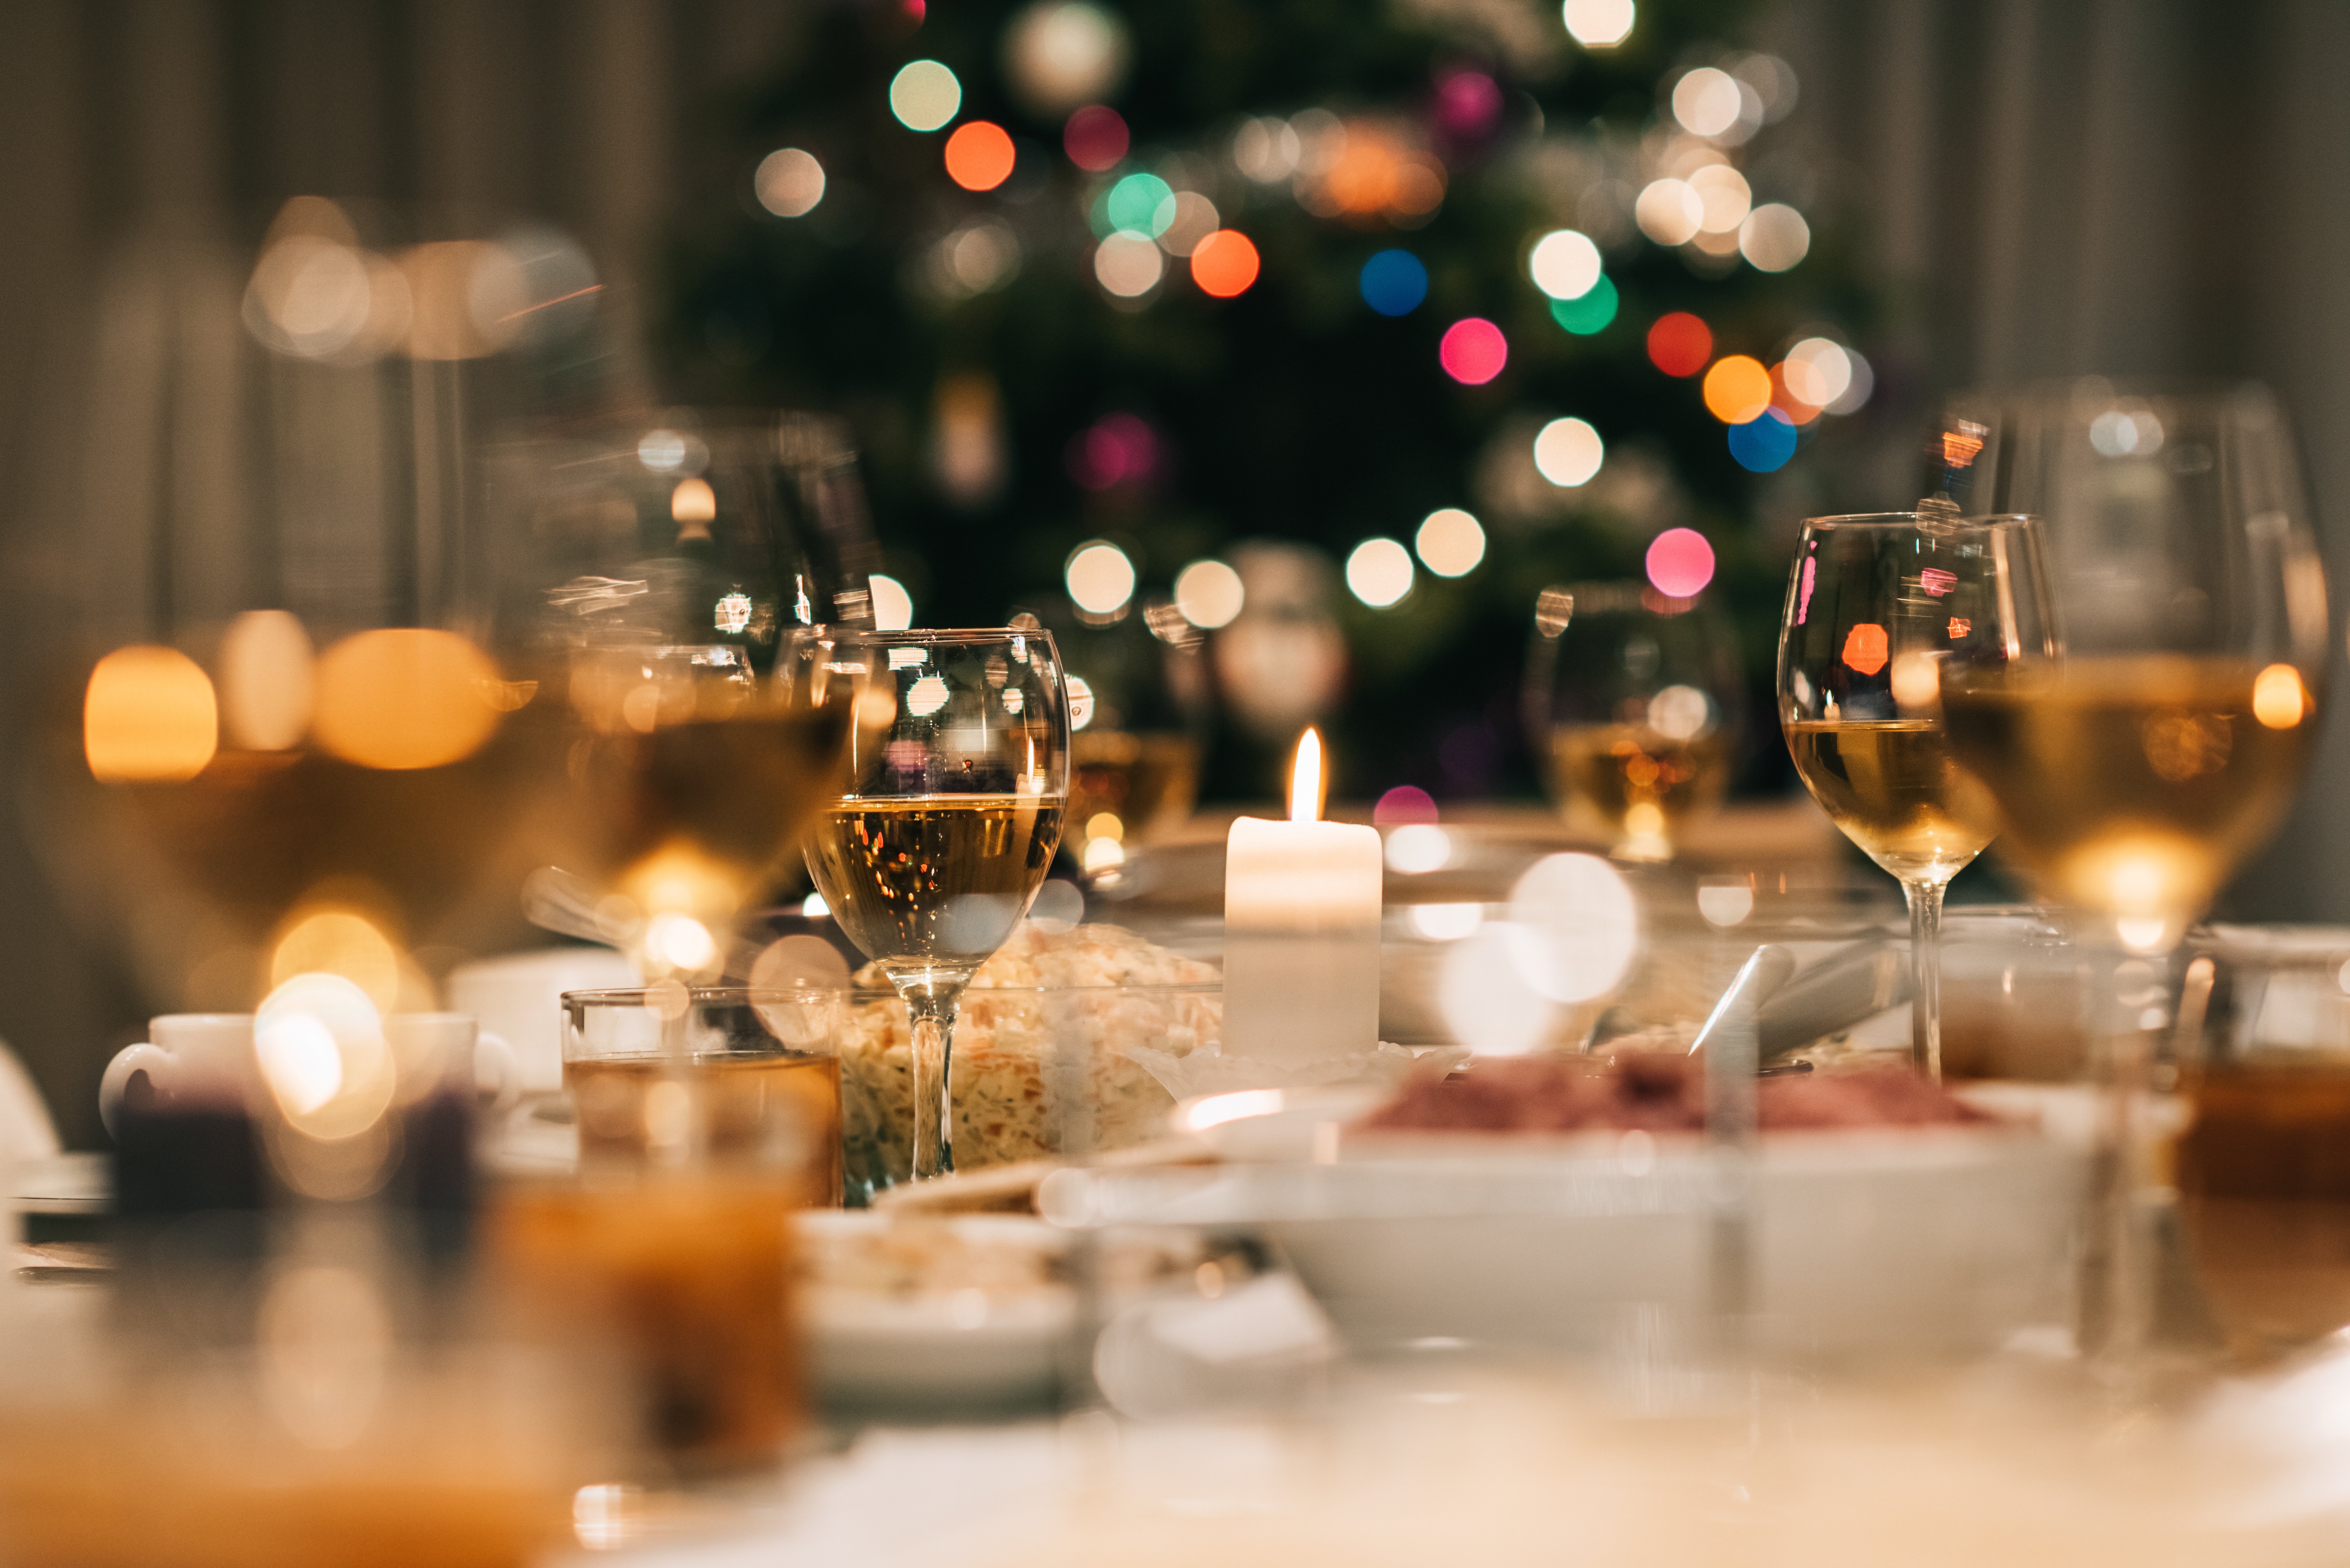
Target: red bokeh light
{"x": 1224, "y": 263}
{"x": 1681, "y": 563}
{"x": 980, "y": 156}
{"x": 1473, "y": 351}
{"x": 1679, "y": 343}
{"x": 1094, "y": 138}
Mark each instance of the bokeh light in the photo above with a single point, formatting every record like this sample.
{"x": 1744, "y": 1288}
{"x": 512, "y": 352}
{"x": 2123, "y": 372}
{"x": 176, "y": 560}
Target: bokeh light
{"x": 1267, "y": 149}
{"x": 1403, "y": 805}
{"x": 1569, "y": 452}
{"x": 405, "y": 697}
{"x": 1863, "y": 381}
{"x": 1575, "y": 926}
{"x": 1473, "y": 351}
{"x": 1378, "y": 572}
{"x": 1818, "y": 371}
{"x": 1587, "y": 314}
{"x": 1100, "y": 578}
{"x": 1738, "y": 389}
{"x": 693, "y": 501}
{"x": 1195, "y": 218}
{"x": 1394, "y": 283}
{"x": 1668, "y": 211}
{"x": 1724, "y": 197}
{"x": 1210, "y": 593}
{"x": 1600, "y": 23}
{"x": 1128, "y": 265}
{"x": 2279, "y": 698}
{"x": 1784, "y": 402}
{"x": 1141, "y": 204}
{"x": 1116, "y": 449}
{"x": 1094, "y": 138}
{"x": 148, "y": 713}
{"x": 1773, "y": 237}
{"x": 924, "y": 94}
{"x": 980, "y": 156}
{"x": 1484, "y": 999}
{"x": 1450, "y": 541}
{"x": 1564, "y": 264}
{"x": 1467, "y": 104}
{"x": 1057, "y": 55}
{"x": 893, "y": 607}
{"x": 1763, "y": 445}
{"x": 1416, "y": 848}
{"x": 1706, "y": 101}
{"x": 1679, "y": 343}
{"x": 266, "y": 660}
{"x": 789, "y": 182}
{"x": 1679, "y": 563}
{"x": 1224, "y": 263}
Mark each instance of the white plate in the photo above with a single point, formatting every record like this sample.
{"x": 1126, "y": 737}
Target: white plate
{"x": 964, "y": 1350}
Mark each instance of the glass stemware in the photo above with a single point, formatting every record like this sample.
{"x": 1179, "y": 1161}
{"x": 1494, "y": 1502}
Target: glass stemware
{"x": 1632, "y": 702}
{"x": 946, "y": 830}
{"x": 2137, "y": 772}
{"x": 1883, "y": 612}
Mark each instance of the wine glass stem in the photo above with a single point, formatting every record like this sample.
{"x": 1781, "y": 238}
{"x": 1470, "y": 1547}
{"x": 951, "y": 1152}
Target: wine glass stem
{"x": 931, "y": 1008}
{"x": 1925, "y": 976}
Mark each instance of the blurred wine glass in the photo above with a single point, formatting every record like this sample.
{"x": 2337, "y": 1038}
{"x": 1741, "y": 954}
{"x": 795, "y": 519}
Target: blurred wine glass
{"x": 329, "y": 703}
{"x": 1883, "y": 612}
{"x": 2135, "y": 771}
{"x": 1137, "y": 681}
{"x": 948, "y": 825}
{"x": 1632, "y": 705}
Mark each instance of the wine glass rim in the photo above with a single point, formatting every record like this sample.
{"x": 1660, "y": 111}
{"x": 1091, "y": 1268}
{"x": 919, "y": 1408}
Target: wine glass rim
{"x": 956, "y": 635}
{"x": 1910, "y": 519}
{"x": 641, "y": 996}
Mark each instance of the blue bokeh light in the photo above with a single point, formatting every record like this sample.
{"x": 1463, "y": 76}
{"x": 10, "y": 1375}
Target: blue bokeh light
{"x": 1762, "y": 445}
{"x": 1394, "y": 283}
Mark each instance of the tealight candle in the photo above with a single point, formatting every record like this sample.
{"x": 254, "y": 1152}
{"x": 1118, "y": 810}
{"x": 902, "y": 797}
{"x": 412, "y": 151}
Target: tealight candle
{"x": 1301, "y": 929}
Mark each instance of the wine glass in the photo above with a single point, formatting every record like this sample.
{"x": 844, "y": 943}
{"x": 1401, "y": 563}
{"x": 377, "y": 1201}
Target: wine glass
{"x": 2134, "y": 774}
{"x": 1632, "y": 700}
{"x": 948, "y": 825}
{"x": 1883, "y": 612}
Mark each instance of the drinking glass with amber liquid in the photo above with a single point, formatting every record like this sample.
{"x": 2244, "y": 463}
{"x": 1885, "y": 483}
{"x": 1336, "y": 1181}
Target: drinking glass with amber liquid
{"x": 1632, "y": 702}
{"x": 1882, "y": 611}
{"x": 953, "y": 809}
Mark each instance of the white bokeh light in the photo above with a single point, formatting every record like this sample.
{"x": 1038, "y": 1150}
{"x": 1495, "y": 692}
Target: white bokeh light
{"x": 1417, "y": 848}
{"x": 1706, "y": 101}
{"x": 1130, "y": 266}
{"x": 1724, "y": 195}
{"x": 789, "y": 182}
{"x": 893, "y": 607}
{"x": 1819, "y": 371}
{"x": 1483, "y": 997}
{"x": 1774, "y": 237}
{"x": 1574, "y": 926}
{"x": 1378, "y": 572}
{"x": 1210, "y": 593}
{"x": 1600, "y": 23}
{"x": 1450, "y": 541}
{"x": 1668, "y": 211}
{"x": 1564, "y": 264}
{"x": 1100, "y": 578}
{"x": 925, "y": 94}
{"x": 1569, "y": 452}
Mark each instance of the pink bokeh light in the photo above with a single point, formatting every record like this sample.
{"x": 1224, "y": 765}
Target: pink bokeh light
{"x": 1467, "y": 104}
{"x": 1473, "y": 351}
{"x": 1094, "y": 138}
{"x": 1116, "y": 449}
{"x": 1681, "y": 563}
{"x": 1404, "y": 803}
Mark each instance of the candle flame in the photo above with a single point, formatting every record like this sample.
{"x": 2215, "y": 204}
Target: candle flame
{"x": 1305, "y": 780}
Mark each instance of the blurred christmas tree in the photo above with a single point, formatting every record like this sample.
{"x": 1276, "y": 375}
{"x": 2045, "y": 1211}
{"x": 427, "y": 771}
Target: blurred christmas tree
{"x": 1204, "y": 273}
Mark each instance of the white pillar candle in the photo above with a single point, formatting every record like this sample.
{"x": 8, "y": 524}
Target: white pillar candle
{"x": 1301, "y": 930}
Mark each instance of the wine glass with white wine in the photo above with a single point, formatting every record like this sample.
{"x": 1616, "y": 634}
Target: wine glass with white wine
{"x": 1883, "y": 610}
{"x": 947, "y": 827}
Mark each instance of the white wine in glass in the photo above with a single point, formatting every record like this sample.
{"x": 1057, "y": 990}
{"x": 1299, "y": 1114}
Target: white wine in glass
{"x": 948, "y": 825}
{"x": 1882, "y": 610}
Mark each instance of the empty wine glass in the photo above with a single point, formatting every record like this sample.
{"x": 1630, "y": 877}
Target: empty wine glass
{"x": 946, "y": 829}
{"x": 1632, "y": 702}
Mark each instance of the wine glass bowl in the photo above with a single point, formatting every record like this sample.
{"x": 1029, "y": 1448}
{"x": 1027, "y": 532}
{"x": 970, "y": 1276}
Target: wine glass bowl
{"x": 948, "y": 825}
{"x": 1883, "y": 612}
{"x": 1632, "y": 702}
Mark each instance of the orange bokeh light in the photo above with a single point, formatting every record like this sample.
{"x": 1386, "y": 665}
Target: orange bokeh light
{"x": 1798, "y": 411}
{"x": 405, "y": 697}
{"x": 1867, "y": 648}
{"x": 149, "y": 714}
{"x": 980, "y": 156}
{"x": 1224, "y": 263}
{"x": 1737, "y": 390}
{"x": 1679, "y": 343}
